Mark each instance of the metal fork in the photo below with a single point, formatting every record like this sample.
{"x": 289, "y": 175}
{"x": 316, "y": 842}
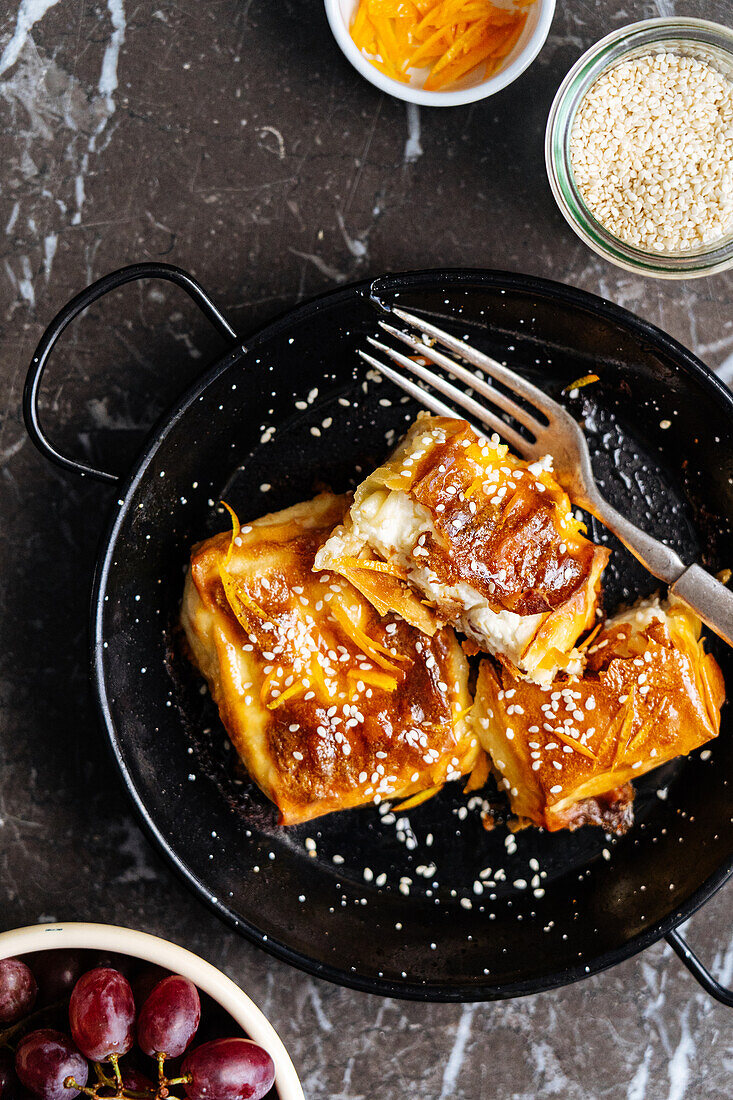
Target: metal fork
{"x": 548, "y": 429}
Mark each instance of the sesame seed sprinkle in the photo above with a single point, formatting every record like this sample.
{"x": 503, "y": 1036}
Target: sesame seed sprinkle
{"x": 652, "y": 152}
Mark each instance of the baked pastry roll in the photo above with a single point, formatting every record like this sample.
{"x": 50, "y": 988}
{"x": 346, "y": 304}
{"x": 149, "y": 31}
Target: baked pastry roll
{"x": 328, "y": 705}
{"x": 473, "y": 536}
{"x": 567, "y": 754}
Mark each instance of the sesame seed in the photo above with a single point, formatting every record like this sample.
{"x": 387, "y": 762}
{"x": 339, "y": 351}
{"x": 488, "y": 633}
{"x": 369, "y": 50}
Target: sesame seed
{"x": 652, "y": 150}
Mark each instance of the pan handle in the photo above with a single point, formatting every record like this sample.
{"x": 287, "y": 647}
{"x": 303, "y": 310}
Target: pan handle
{"x": 681, "y": 948}
{"x": 71, "y": 310}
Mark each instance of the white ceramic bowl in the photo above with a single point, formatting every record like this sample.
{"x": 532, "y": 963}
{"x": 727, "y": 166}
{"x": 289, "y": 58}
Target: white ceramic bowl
{"x": 539, "y": 17}
{"x": 140, "y": 945}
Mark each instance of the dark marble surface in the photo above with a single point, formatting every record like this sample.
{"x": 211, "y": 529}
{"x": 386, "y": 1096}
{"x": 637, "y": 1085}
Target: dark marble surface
{"x": 232, "y": 138}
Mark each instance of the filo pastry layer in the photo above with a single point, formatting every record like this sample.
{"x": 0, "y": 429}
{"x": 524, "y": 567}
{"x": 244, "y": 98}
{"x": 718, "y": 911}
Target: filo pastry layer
{"x": 567, "y": 754}
{"x": 472, "y": 536}
{"x": 328, "y": 704}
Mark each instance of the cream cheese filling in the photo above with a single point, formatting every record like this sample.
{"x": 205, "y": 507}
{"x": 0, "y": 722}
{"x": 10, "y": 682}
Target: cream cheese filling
{"x": 391, "y": 522}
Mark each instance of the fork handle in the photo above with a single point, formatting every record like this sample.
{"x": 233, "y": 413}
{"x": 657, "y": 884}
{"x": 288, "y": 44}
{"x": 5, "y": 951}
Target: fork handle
{"x": 662, "y": 561}
{"x": 709, "y": 599}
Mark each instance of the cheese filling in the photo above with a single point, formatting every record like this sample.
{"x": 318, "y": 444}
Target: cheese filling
{"x": 391, "y": 523}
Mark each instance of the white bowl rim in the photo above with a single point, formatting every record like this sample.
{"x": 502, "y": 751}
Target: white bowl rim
{"x": 441, "y": 99}
{"x": 143, "y": 945}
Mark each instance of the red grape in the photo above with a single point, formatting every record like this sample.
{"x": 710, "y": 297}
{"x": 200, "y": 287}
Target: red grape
{"x": 114, "y": 961}
{"x": 56, "y": 972}
{"x": 138, "y": 1082}
{"x": 169, "y": 1018}
{"x": 43, "y": 1061}
{"x": 228, "y": 1069}
{"x": 102, "y": 1014}
{"x": 145, "y": 981}
{"x": 17, "y": 990}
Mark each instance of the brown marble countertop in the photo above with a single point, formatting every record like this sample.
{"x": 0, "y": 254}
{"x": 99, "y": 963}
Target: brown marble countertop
{"x": 232, "y": 138}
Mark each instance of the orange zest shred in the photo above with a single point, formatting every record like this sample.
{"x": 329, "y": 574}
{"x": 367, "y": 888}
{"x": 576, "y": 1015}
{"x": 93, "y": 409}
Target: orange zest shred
{"x": 339, "y": 564}
{"x": 418, "y": 799}
{"x": 235, "y": 531}
{"x": 374, "y": 677}
{"x": 451, "y": 38}
{"x": 594, "y": 632}
{"x": 498, "y": 454}
{"x": 294, "y": 689}
{"x": 316, "y": 671}
{"x": 578, "y": 384}
{"x": 575, "y": 745}
{"x": 237, "y": 598}
{"x": 474, "y": 486}
{"x": 374, "y": 650}
{"x": 243, "y": 598}
{"x": 267, "y": 683}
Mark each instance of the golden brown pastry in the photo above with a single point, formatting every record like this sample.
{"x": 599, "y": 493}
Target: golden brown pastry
{"x": 566, "y": 754}
{"x": 473, "y": 536}
{"x": 328, "y": 705}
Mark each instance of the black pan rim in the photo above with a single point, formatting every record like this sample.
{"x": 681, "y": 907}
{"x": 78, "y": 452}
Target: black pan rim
{"x": 407, "y": 990}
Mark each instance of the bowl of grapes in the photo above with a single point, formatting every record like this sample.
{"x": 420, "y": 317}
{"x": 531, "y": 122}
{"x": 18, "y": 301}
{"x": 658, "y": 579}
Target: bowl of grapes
{"x": 106, "y": 1013}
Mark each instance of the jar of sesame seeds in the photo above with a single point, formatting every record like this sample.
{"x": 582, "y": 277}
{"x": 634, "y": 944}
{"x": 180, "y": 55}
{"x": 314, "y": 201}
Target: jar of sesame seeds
{"x": 639, "y": 148}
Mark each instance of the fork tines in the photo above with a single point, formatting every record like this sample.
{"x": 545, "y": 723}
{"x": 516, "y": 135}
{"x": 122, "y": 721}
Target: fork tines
{"x": 424, "y": 347}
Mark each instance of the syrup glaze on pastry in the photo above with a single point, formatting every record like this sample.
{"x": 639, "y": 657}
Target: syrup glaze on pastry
{"x": 328, "y": 705}
{"x": 566, "y": 754}
{"x": 474, "y": 537}
{"x": 324, "y": 632}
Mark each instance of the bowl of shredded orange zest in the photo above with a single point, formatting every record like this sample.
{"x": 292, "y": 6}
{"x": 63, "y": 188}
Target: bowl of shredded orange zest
{"x": 451, "y": 39}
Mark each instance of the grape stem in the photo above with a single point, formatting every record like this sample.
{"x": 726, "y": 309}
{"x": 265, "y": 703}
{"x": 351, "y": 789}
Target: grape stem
{"x": 164, "y": 1083}
{"x": 121, "y": 1092}
{"x": 114, "y": 1059}
{"x": 8, "y": 1035}
{"x": 88, "y": 1090}
{"x": 162, "y": 1091}
{"x": 119, "y": 1089}
{"x": 102, "y": 1077}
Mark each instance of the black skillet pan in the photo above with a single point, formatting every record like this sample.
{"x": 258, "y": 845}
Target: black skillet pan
{"x": 391, "y": 906}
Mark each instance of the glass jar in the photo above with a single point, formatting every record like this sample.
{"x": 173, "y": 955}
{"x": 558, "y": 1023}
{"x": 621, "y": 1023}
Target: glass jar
{"x": 698, "y": 38}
